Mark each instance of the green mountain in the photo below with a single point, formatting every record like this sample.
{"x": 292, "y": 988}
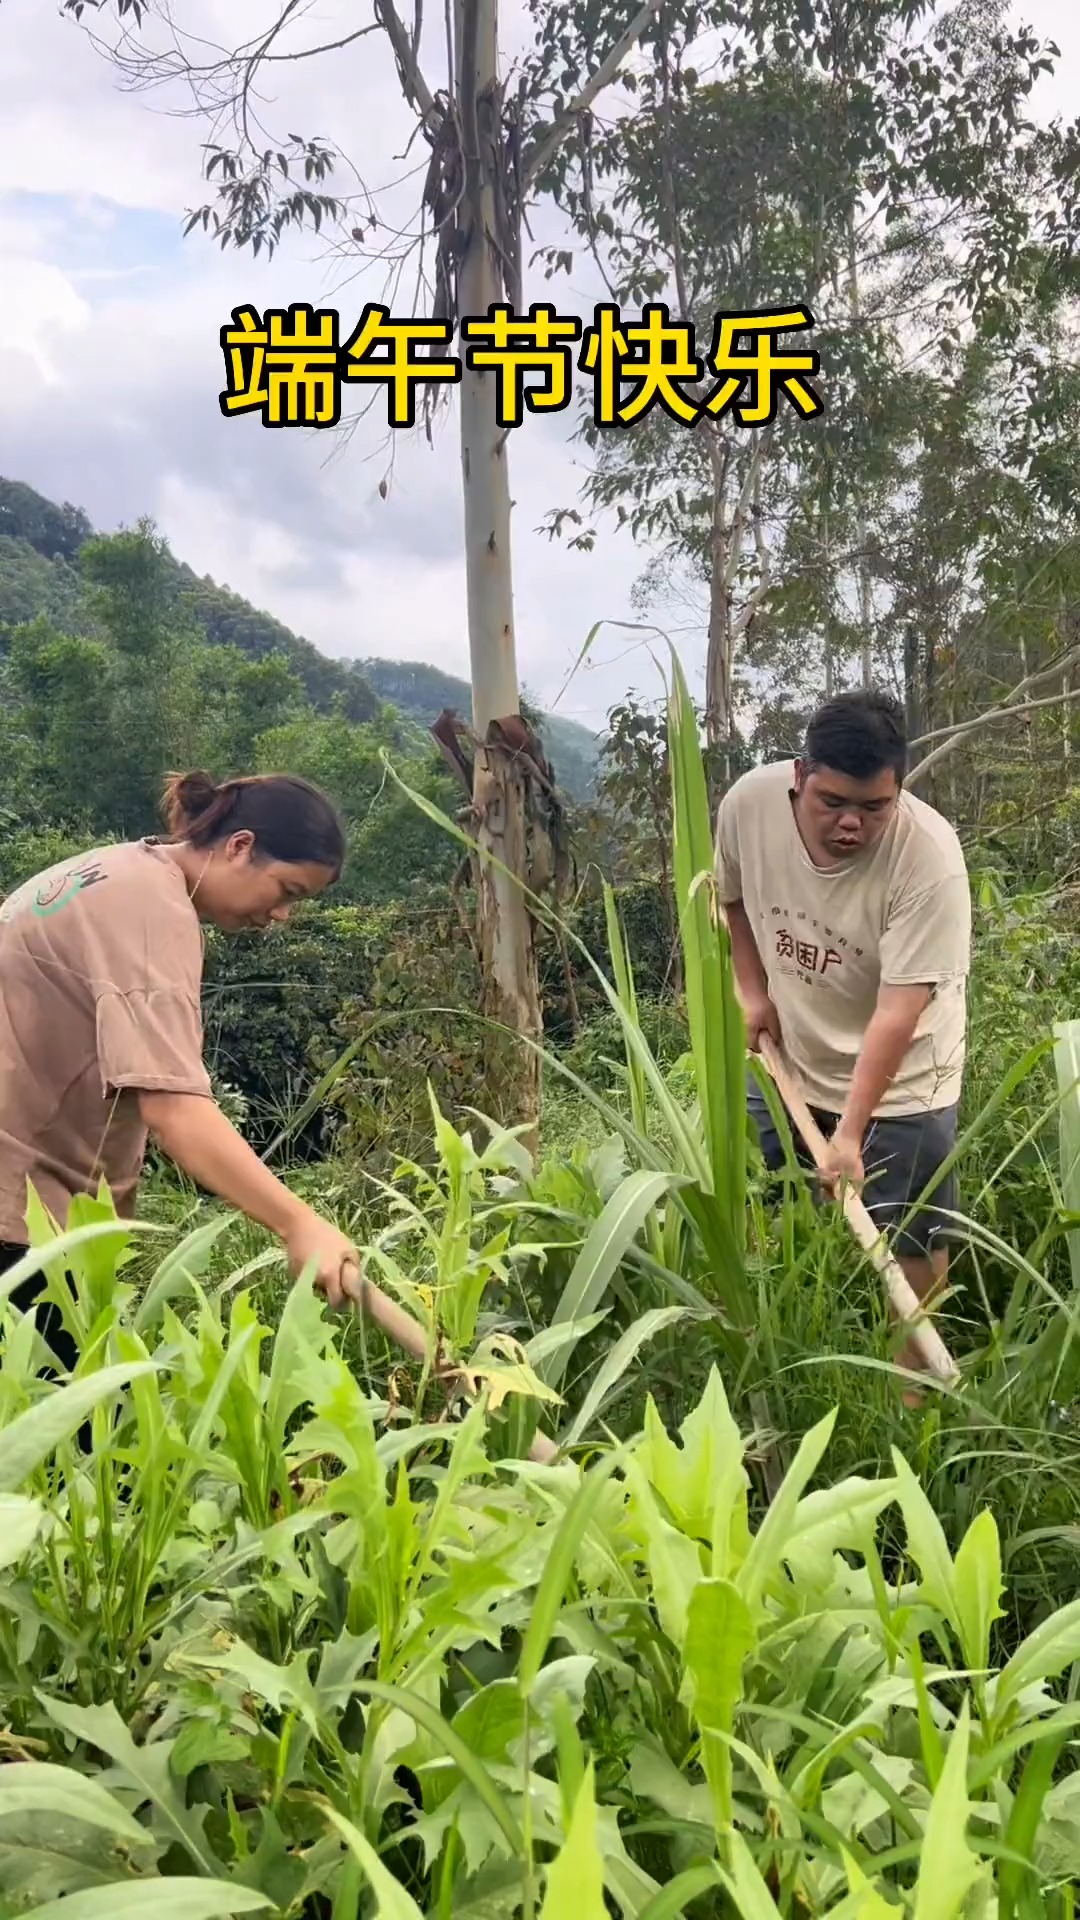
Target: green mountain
{"x": 39, "y": 575}
{"x": 423, "y": 692}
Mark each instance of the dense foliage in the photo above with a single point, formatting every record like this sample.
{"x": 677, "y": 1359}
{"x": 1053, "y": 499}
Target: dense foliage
{"x": 288, "y": 1626}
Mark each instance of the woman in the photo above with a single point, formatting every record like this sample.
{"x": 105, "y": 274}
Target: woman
{"x": 100, "y": 1026}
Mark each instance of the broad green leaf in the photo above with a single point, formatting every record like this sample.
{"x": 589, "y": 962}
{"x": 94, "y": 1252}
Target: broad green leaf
{"x": 36, "y": 1433}
{"x": 52, "y": 1253}
{"x": 1053, "y": 1646}
{"x": 700, "y": 1481}
{"x": 575, "y": 1878}
{"x": 605, "y": 1247}
{"x": 201, "y": 1743}
{"x": 548, "y": 1600}
{"x": 620, "y": 1357}
{"x": 20, "y": 1523}
{"x": 302, "y": 1335}
{"x": 719, "y": 1636}
{"x": 281, "y": 1686}
{"x": 467, "y": 1762}
{"x": 654, "y": 1776}
{"x": 671, "y": 1903}
{"x": 926, "y": 1542}
{"x": 752, "y": 1898}
{"x": 947, "y": 1867}
{"x": 832, "y": 1520}
{"x": 674, "y": 1561}
{"x": 771, "y": 1538}
{"x": 36, "y": 1786}
{"x": 863, "y": 1902}
{"x": 551, "y": 1340}
{"x": 491, "y": 1719}
{"x": 392, "y": 1901}
{"x": 978, "y": 1589}
{"x": 181, "y": 1265}
{"x": 168, "y": 1899}
{"x": 146, "y": 1769}
{"x": 43, "y": 1857}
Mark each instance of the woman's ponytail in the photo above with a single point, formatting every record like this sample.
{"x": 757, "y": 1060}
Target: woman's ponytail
{"x": 195, "y": 808}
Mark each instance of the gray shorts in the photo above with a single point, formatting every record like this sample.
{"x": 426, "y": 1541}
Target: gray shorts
{"x": 900, "y": 1154}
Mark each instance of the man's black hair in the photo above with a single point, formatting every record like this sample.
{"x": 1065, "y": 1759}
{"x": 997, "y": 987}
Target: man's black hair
{"x": 858, "y": 733}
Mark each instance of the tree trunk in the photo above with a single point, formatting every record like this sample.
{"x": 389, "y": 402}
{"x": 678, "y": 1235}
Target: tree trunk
{"x": 827, "y": 598}
{"x": 862, "y": 536}
{"x": 913, "y": 706}
{"x": 511, "y": 992}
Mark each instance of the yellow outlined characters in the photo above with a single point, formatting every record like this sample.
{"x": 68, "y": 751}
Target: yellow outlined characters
{"x": 400, "y": 367}
{"x": 284, "y": 367}
{"x": 667, "y": 355}
{"x": 520, "y": 345}
{"x": 772, "y": 373}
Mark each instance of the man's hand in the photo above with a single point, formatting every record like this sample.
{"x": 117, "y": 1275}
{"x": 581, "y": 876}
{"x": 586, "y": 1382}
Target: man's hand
{"x": 337, "y": 1263}
{"x": 843, "y": 1163}
{"x": 761, "y": 1017}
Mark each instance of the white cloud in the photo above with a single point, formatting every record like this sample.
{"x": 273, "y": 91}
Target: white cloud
{"x": 39, "y": 315}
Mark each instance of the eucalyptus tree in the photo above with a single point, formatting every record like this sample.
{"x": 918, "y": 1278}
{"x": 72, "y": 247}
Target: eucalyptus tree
{"x": 491, "y": 149}
{"x": 872, "y": 163}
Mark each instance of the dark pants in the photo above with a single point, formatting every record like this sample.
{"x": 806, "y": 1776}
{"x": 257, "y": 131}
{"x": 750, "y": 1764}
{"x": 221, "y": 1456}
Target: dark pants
{"x": 49, "y": 1323}
{"x": 901, "y": 1155}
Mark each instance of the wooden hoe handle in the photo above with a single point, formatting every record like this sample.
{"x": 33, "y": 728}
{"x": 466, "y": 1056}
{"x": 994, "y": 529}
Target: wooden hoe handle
{"x": 902, "y": 1297}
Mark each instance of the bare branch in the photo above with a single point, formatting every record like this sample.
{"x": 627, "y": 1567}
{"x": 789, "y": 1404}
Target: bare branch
{"x": 1008, "y": 709}
{"x": 549, "y": 142}
{"x": 415, "y": 87}
{"x": 1013, "y": 700}
{"x": 328, "y": 46}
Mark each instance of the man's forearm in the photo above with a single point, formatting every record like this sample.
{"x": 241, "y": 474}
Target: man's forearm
{"x": 750, "y": 975}
{"x": 884, "y": 1046}
{"x": 196, "y": 1134}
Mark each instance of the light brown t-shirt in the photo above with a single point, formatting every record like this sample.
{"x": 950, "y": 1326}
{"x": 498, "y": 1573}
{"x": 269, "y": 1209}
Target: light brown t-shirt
{"x": 100, "y": 984}
{"x": 897, "y": 914}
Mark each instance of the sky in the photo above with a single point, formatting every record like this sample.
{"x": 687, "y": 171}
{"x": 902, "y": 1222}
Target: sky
{"x": 112, "y": 367}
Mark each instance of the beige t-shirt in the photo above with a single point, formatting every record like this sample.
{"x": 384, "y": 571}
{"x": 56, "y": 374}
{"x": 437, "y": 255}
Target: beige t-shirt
{"x": 100, "y": 984}
{"x": 898, "y": 914}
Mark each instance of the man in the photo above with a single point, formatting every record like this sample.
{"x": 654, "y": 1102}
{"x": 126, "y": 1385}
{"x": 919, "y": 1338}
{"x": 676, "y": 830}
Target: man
{"x": 849, "y": 912}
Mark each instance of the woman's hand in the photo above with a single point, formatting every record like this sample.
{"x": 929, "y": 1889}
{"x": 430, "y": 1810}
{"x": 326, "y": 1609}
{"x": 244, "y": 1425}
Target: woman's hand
{"x": 337, "y": 1263}
{"x": 199, "y": 1137}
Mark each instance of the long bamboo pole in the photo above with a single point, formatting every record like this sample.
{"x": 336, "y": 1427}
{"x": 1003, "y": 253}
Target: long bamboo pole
{"x": 903, "y": 1299}
{"x": 405, "y": 1332}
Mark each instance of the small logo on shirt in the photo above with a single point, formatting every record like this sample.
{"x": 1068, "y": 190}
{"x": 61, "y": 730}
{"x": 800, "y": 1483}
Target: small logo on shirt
{"x": 46, "y": 896}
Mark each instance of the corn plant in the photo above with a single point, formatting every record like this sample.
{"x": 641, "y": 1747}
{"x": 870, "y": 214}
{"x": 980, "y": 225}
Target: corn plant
{"x": 269, "y": 1646}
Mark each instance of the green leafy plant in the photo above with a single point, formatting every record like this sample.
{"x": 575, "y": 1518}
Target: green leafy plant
{"x": 269, "y": 1644}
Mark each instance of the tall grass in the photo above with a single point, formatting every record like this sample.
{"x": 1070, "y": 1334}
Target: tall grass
{"x": 797, "y": 1319}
